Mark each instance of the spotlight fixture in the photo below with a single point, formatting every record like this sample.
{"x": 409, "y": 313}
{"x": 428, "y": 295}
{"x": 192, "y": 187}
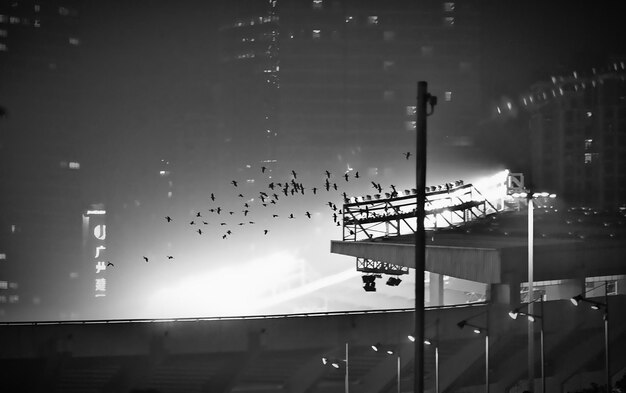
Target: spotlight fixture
{"x": 477, "y": 330}
{"x": 576, "y": 299}
{"x": 411, "y": 338}
{"x": 324, "y": 361}
{"x": 394, "y": 281}
{"x": 376, "y": 347}
{"x": 513, "y": 314}
{"x": 427, "y": 341}
{"x": 389, "y": 352}
{"x": 335, "y": 364}
{"x": 369, "y": 282}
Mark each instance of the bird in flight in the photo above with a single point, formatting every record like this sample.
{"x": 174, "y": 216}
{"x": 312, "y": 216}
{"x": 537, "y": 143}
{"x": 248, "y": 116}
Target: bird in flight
{"x": 110, "y": 264}
{"x": 291, "y": 215}
{"x": 314, "y": 189}
{"x": 308, "y": 214}
{"x": 168, "y": 218}
{"x": 199, "y": 231}
{"x": 265, "y": 231}
{"x": 198, "y": 214}
{"x": 234, "y": 183}
{"x": 213, "y": 197}
{"x": 327, "y": 174}
{"x": 407, "y": 154}
{"x": 356, "y": 175}
{"x": 263, "y": 169}
{"x": 145, "y": 258}
{"x": 295, "y": 176}
{"x": 346, "y": 176}
{"x": 170, "y": 257}
{"x": 192, "y": 223}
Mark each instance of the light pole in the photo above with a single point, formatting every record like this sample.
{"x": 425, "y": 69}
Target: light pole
{"x": 430, "y": 342}
{"x": 479, "y": 330}
{"x": 336, "y": 363}
{"x": 378, "y": 347}
{"x": 531, "y": 319}
{"x": 596, "y": 306}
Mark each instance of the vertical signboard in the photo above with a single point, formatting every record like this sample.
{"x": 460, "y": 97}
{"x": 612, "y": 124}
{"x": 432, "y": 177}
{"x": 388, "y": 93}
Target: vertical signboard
{"x": 97, "y": 250}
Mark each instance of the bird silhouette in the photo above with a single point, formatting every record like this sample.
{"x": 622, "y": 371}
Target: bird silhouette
{"x": 205, "y": 223}
{"x": 265, "y": 231}
{"x": 234, "y": 183}
{"x": 219, "y": 210}
{"x": 407, "y": 154}
{"x": 192, "y": 223}
{"x": 199, "y": 231}
{"x": 314, "y": 189}
{"x": 223, "y": 236}
{"x": 307, "y": 214}
{"x": 356, "y": 175}
{"x": 291, "y": 215}
{"x": 327, "y": 174}
{"x": 222, "y": 223}
{"x": 274, "y": 215}
{"x": 110, "y": 264}
{"x": 213, "y": 197}
{"x": 263, "y": 169}
{"x": 345, "y": 175}
{"x": 295, "y": 176}
{"x": 229, "y": 232}
{"x": 335, "y": 186}
{"x": 168, "y": 218}
{"x": 145, "y": 258}
{"x": 198, "y": 214}
{"x": 170, "y": 257}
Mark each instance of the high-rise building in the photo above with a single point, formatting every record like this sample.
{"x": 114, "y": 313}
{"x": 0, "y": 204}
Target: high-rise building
{"x": 41, "y": 201}
{"x": 578, "y": 136}
{"x": 336, "y": 79}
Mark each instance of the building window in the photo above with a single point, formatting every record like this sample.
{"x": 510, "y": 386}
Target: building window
{"x": 14, "y": 20}
{"x": 427, "y": 51}
{"x": 448, "y": 21}
{"x": 372, "y": 20}
{"x": 349, "y": 19}
{"x": 37, "y": 8}
{"x": 3, "y": 256}
{"x": 74, "y": 41}
{"x": 448, "y": 6}
{"x": 590, "y": 157}
{"x": 588, "y": 143}
{"x": 411, "y": 110}
{"x": 14, "y": 298}
{"x": 3, "y": 299}
{"x": 3, "y": 18}
{"x": 74, "y": 165}
{"x": 4, "y": 285}
{"x": 316, "y": 34}
{"x": 317, "y": 4}
{"x": 3, "y": 33}
{"x": 3, "y": 47}
{"x": 448, "y": 96}
{"x": 389, "y": 35}
{"x": 13, "y": 285}
{"x": 389, "y": 65}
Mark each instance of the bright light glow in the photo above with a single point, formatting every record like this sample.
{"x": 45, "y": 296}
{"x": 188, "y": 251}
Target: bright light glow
{"x": 411, "y": 338}
{"x": 513, "y": 314}
{"x": 324, "y": 361}
{"x": 427, "y": 342}
{"x": 477, "y": 330}
{"x": 95, "y": 212}
{"x": 531, "y": 318}
{"x": 389, "y": 352}
{"x": 375, "y": 348}
{"x": 335, "y": 365}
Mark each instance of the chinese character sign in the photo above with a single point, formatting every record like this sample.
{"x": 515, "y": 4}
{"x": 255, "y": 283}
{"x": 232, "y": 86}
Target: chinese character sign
{"x": 98, "y": 251}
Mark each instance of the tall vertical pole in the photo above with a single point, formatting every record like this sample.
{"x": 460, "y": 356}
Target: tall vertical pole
{"x": 531, "y": 296}
{"x": 607, "y": 359}
{"x": 347, "y": 381}
{"x": 437, "y": 368}
{"x": 420, "y": 239}
{"x": 543, "y": 360}
{"x": 398, "y": 373}
{"x": 487, "y": 362}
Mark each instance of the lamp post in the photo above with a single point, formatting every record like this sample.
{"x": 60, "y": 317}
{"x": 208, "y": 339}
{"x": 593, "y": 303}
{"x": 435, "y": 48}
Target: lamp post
{"x": 430, "y": 342}
{"x": 576, "y": 300}
{"x": 531, "y": 318}
{"x": 378, "y": 347}
{"x": 336, "y": 363}
{"x": 479, "y": 330}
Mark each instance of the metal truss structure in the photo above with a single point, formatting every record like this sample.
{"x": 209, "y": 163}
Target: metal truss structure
{"x": 449, "y": 205}
{"x": 375, "y": 267}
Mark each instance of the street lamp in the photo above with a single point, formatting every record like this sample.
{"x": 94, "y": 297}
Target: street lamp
{"x": 576, "y": 300}
{"x": 336, "y": 363}
{"x": 532, "y": 318}
{"x": 479, "y": 330}
{"x": 378, "y": 347}
{"x": 429, "y": 342}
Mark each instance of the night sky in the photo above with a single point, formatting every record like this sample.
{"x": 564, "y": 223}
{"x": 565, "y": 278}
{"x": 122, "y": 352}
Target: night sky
{"x": 146, "y": 73}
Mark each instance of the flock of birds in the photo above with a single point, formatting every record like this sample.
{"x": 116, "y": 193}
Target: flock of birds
{"x": 218, "y": 215}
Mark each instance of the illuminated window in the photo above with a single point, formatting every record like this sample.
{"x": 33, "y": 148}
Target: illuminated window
{"x": 448, "y": 6}
{"x": 13, "y": 285}
{"x": 14, "y": 20}
{"x": 316, "y": 34}
{"x": 3, "y": 18}
{"x": 14, "y": 298}
{"x": 4, "y": 285}
{"x": 3, "y": 47}
{"x": 37, "y": 8}
{"x": 427, "y": 51}
{"x": 317, "y": 4}
{"x": 349, "y": 19}
{"x": 3, "y": 299}
{"x": 74, "y": 41}
{"x": 74, "y": 165}
{"x": 410, "y": 125}
{"x": 372, "y": 20}
{"x": 590, "y": 157}
{"x": 448, "y": 21}
{"x": 389, "y": 35}
{"x": 3, "y": 33}
{"x": 64, "y": 11}
{"x": 588, "y": 143}
{"x": 448, "y": 96}
{"x": 410, "y": 110}
{"x": 3, "y": 256}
